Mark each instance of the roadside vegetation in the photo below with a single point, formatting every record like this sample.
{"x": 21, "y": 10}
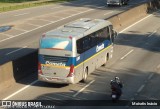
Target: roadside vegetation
{"x": 9, "y": 5}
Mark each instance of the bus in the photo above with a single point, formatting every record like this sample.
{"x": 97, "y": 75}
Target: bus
{"x": 71, "y": 52}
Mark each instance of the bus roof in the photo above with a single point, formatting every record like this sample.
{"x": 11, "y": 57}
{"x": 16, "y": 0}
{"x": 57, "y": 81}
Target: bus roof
{"x": 78, "y": 28}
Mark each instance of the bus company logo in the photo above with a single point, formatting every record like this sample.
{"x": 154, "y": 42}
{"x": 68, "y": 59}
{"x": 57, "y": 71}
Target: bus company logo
{"x": 55, "y": 64}
{"x": 98, "y": 48}
{"x": 78, "y": 58}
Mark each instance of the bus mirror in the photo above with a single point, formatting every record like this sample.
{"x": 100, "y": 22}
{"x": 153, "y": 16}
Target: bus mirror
{"x": 115, "y": 34}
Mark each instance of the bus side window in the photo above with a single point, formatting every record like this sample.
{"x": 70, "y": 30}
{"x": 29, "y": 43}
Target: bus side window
{"x": 101, "y": 36}
{"x": 106, "y": 33}
{"x": 93, "y": 39}
{"x": 98, "y": 36}
{"x": 85, "y": 43}
{"x": 80, "y": 46}
{"x": 111, "y": 32}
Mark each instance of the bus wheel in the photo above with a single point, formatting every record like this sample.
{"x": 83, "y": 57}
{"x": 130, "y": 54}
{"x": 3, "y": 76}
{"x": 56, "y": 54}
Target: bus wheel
{"x": 106, "y": 59}
{"x": 85, "y": 75}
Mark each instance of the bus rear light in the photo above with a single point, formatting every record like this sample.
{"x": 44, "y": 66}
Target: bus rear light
{"x": 70, "y": 37}
{"x": 43, "y": 35}
{"x": 71, "y": 72}
{"x": 39, "y": 68}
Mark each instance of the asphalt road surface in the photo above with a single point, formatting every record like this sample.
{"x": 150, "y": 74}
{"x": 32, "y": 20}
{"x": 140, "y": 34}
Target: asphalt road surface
{"x": 135, "y": 61}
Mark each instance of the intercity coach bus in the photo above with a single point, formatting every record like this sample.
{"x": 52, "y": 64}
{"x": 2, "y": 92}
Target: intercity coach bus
{"x": 71, "y": 52}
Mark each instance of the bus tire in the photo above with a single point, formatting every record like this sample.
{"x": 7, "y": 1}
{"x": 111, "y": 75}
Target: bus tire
{"x": 85, "y": 75}
{"x": 106, "y": 59}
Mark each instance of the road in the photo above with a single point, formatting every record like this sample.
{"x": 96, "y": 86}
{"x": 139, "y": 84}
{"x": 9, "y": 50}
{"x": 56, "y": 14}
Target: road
{"x": 135, "y": 61}
{"x": 29, "y": 24}
{"x": 46, "y": 10}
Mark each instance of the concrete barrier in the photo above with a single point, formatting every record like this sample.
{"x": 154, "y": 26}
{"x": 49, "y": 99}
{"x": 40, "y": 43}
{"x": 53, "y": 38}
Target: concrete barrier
{"x": 8, "y": 71}
{"x": 116, "y": 22}
{"x": 130, "y": 16}
{"x": 24, "y": 65}
{"x": 17, "y": 69}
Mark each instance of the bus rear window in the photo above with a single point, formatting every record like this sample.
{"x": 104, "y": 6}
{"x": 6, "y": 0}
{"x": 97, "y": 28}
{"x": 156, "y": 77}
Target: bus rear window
{"x": 56, "y": 43}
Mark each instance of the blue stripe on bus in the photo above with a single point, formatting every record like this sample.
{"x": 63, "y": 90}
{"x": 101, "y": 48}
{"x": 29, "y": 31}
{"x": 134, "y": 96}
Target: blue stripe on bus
{"x": 84, "y": 56}
{"x": 71, "y": 60}
{"x": 89, "y": 53}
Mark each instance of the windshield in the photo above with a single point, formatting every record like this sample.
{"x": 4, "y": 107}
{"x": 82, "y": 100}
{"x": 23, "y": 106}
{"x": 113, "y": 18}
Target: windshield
{"x": 57, "y": 43}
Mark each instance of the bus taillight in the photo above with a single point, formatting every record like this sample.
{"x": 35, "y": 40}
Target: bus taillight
{"x": 39, "y": 68}
{"x": 71, "y": 72}
{"x": 43, "y": 35}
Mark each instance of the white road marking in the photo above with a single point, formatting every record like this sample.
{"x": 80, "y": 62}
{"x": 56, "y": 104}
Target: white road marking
{"x": 152, "y": 33}
{"x": 135, "y": 23}
{"x": 104, "y": 93}
{"x": 16, "y": 50}
{"x": 58, "y": 16}
{"x": 150, "y": 76}
{"x": 21, "y": 14}
{"x": 127, "y": 54}
{"x": 158, "y": 66}
{"x": 140, "y": 89}
{"x": 20, "y": 90}
{"x": 57, "y": 7}
{"x": 101, "y": 7}
{"x": 108, "y": 13}
{"x": 32, "y": 24}
{"x": 67, "y": 96}
{"x": 76, "y": 10}
{"x": 83, "y": 88}
{"x": 57, "y": 12}
{"x": 46, "y": 25}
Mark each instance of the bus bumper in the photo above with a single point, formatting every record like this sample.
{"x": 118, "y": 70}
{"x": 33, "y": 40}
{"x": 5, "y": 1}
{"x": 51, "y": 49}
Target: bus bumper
{"x": 67, "y": 80}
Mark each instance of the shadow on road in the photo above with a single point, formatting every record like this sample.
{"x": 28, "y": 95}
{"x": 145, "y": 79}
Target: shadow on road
{"x": 148, "y": 41}
{"x": 19, "y": 64}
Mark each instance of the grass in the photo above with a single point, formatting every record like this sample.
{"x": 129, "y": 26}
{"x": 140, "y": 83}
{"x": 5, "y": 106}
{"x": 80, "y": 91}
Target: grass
{"x": 16, "y": 1}
{"x": 9, "y": 5}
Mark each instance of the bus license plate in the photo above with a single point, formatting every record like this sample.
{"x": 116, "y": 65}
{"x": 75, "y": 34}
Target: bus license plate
{"x": 113, "y": 96}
